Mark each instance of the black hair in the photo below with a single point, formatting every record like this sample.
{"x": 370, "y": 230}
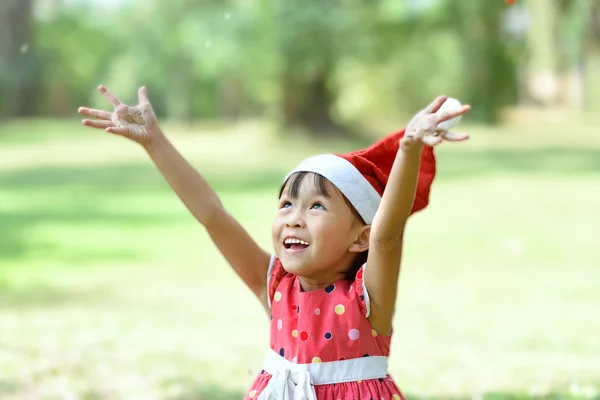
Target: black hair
{"x": 293, "y": 187}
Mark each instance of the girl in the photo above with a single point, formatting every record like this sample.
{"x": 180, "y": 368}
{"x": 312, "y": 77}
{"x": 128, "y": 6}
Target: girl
{"x": 330, "y": 286}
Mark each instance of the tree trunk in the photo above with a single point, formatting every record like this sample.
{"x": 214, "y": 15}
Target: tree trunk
{"x": 574, "y": 21}
{"x": 308, "y": 44}
{"x": 230, "y": 98}
{"x": 492, "y": 79}
{"x": 592, "y": 62}
{"x": 542, "y": 82}
{"x": 15, "y": 33}
{"x": 307, "y": 105}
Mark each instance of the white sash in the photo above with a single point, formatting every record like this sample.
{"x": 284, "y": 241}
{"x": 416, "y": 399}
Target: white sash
{"x": 291, "y": 381}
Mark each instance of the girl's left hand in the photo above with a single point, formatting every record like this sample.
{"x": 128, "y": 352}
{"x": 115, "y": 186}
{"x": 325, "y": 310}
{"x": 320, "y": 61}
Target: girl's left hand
{"x": 423, "y": 128}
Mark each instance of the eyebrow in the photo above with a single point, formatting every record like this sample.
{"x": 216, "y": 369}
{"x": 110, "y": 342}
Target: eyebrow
{"x": 312, "y": 193}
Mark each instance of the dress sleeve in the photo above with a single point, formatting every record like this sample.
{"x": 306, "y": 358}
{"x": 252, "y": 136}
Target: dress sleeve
{"x": 362, "y": 295}
{"x": 274, "y": 275}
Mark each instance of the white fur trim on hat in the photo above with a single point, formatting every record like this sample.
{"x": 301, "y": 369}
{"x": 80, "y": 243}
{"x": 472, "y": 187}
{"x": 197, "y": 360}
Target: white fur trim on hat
{"x": 344, "y": 175}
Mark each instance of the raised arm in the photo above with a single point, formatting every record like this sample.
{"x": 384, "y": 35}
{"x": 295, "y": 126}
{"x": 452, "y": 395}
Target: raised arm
{"x": 385, "y": 244}
{"x": 248, "y": 260}
{"x": 139, "y": 124}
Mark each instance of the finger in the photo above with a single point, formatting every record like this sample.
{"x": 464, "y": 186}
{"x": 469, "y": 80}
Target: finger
{"x": 143, "y": 96}
{"x": 435, "y": 104}
{"x": 420, "y": 133}
{"x": 112, "y": 99}
{"x": 98, "y": 124}
{"x": 447, "y": 115}
{"x": 412, "y": 134}
{"x": 432, "y": 140}
{"x": 90, "y": 112}
{"x": 118, "y": 131}
{"x": 455, "y": 137}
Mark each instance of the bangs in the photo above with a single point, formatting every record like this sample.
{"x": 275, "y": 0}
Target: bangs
{"x": 295, "y": 181}
{"x": 292, "y": 188}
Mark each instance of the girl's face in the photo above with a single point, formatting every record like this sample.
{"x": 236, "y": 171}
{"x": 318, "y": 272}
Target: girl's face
{"x": 315, "y": 233}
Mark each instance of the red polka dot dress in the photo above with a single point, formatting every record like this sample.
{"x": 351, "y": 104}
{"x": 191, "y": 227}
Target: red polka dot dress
{"x": 323, "y": 326}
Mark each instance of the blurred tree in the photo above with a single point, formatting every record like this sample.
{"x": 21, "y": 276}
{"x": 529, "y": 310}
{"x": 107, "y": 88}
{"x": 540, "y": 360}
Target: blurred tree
{"x": 554, "y": 66}
{"x": 307, "y": 39}
{"x": 574, "y": 25}
{"x": 592, "y": 62}
{"x": 457, "y": 48}
{"x": 330, "y": 66}
{"x": 542, "y": 83}
{"x": 75, "y": 53}
{"x": 201, "y": 60}
{"x": 489, "y": 70}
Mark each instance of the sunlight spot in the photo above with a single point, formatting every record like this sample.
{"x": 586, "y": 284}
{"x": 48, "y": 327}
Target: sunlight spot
{"x": 514, "y": 247}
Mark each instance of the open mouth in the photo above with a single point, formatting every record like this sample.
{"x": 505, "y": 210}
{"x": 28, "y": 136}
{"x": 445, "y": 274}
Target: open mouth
{"x": 295, "y": 244}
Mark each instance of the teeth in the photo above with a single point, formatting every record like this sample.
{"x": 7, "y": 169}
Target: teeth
{"x": 295, "y": 241}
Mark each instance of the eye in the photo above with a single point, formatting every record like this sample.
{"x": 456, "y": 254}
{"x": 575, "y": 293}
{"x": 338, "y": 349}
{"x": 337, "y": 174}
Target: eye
{"x": 285, "y": 204}
{"x": 318, "y": 206}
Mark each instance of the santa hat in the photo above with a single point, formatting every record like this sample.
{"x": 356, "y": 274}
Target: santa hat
{"x": 362, "y": 175}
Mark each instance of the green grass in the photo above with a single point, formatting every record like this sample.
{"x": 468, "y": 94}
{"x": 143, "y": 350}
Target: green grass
{"x": 110, "y": 290}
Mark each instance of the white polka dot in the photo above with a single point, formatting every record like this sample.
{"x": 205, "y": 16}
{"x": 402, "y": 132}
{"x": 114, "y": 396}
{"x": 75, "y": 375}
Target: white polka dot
{"x": 279, "y": 324}
{"x": 295, "y": 360}
{"x": 353, "y": 334}
{"x": 252, "y": 394}
{"x": 318, "y": 311}
{"x": 277, "y": 296}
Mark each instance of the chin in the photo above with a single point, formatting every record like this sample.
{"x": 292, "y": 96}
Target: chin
{"x": 292, "y": 264}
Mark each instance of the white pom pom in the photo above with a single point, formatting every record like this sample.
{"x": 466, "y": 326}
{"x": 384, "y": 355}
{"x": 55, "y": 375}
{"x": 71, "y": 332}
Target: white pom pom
{"x": 449, "y": 105}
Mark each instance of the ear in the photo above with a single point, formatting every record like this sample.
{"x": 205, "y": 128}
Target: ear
{"x": 361, "y": 243}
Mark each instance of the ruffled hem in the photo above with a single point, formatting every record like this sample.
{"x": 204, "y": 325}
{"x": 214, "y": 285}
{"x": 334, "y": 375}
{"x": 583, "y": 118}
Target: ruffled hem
{"x": 361, "y": 293}
{"x": 372, "y": 389}
{"x": 274, "y": 275}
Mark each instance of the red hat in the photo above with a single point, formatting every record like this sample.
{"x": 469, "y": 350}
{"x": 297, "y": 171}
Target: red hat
{"x": 362, "y": 175}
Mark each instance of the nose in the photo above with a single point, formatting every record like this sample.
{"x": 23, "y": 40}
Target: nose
{"x": 294, "y": 220}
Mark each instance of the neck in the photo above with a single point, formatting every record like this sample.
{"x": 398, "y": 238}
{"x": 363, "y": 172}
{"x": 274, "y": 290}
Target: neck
{"x": 317, "y": 283}
{"x": 322, "y": 278}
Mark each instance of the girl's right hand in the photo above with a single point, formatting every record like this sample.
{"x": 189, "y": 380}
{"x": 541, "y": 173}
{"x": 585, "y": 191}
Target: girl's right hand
{"x": 137, "y": 123}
